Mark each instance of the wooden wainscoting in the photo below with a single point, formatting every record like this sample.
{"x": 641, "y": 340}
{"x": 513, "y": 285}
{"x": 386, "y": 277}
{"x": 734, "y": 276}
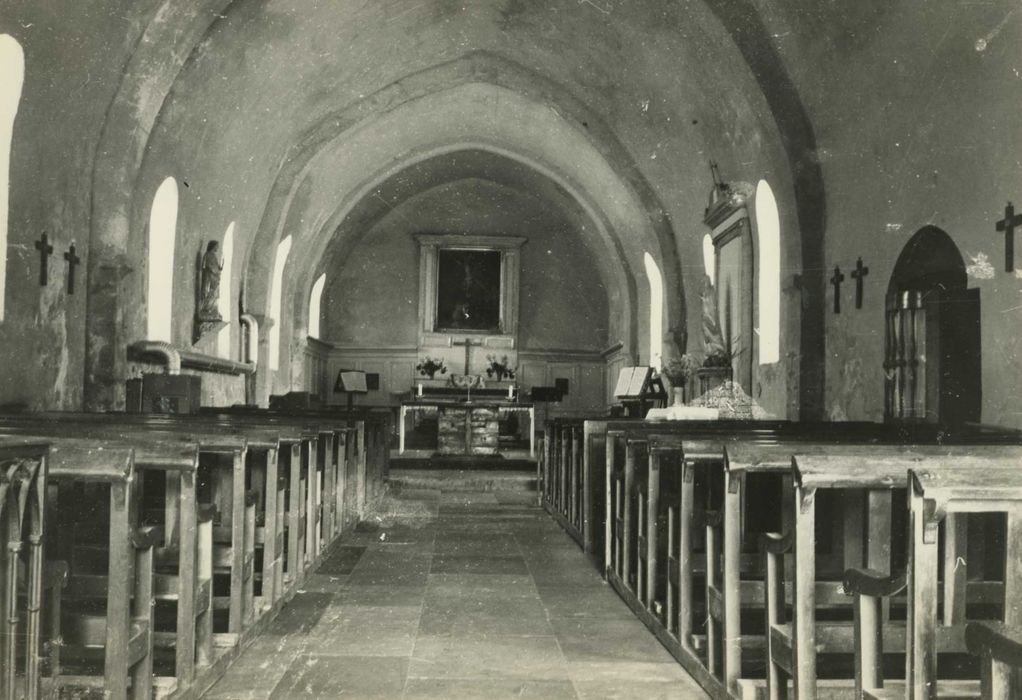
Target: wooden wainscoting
{"x": 586, "y": 372}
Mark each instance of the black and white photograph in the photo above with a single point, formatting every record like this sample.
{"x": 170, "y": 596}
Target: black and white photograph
{"x": 486, "y": 349}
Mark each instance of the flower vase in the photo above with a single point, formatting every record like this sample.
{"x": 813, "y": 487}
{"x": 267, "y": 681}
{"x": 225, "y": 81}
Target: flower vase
{"x": 678, "y": 393}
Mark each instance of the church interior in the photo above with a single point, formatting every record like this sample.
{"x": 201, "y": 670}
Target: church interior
{"x": 510, "y": 348}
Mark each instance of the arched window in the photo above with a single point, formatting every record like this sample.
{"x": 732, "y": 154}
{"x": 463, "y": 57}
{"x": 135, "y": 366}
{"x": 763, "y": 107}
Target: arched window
{"x": 656, "y": 311}
{"x": 315, "y": 305}
{"x": 709, "y": 263}
{"x": 162, "y": 234}
{"x": 276, "y": 291}
{"x": 12, "y": 67}
{"x": 768, "y": 238}
{"x": 223, "y": 339}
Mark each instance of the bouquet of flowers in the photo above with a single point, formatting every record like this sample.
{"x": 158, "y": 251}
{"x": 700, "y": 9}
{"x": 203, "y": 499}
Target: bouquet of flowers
{"x": 429, "y": 366}
{"x": 679, "y": 370}
{"x": 499, "y": 368}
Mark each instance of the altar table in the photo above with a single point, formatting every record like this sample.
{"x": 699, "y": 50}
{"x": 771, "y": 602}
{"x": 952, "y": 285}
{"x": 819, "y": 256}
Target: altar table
{"x": 468, "y": 427}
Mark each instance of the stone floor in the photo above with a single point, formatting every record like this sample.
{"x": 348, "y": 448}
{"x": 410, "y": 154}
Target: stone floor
{"x": 456, "y": 595}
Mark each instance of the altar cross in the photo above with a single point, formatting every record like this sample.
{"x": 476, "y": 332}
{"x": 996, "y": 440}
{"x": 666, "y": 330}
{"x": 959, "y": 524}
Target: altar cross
{"x": 468, "y": 345}
{"x": 1008, "y": 224}
{"x": 72, "y": 262}
{"x": 858, "y": 273}
{"x": 836, "y": 280}
{"x": 45, "y": 250}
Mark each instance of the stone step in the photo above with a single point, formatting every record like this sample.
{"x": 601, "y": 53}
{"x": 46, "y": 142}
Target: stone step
{"x": 462, "y": 480}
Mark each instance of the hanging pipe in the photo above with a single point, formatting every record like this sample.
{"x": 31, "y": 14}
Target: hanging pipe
{"x": 169, "y": 355}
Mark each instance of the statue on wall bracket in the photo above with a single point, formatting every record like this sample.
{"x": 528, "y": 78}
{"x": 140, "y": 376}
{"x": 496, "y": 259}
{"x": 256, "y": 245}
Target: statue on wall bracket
{"x": 207, "y": 311}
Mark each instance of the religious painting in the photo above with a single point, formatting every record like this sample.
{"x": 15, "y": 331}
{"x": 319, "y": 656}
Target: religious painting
{"x": 468, "y": 290}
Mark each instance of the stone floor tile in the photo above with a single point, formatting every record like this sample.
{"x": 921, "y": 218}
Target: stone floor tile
{"x": 638, "y": 689}
{"x": 342, "y": 560}
{"x": 478, "y": 565}
{"x": 499, "y": 689}
{"x": 535, "y": 658}
{"x": 589, "y": 601}
{"x": 258, "y": 670}
{"x": 382, "y": 595}
{"x": 355, "y": 630}
{"x": 456, "y": 595}
{"x": 300, "y": 615}
{"x": 366, "y": 678}
{"x": 598, "y": 639}
{"x": 323, "y": 583}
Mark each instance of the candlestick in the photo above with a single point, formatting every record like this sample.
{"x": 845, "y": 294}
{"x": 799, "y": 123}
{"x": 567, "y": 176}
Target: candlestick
{"x": 419, "y": 390}
{"x": 510, "y": 392}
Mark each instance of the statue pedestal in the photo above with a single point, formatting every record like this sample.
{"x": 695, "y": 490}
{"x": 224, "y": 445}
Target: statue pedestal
{"x": 205, "y": 326}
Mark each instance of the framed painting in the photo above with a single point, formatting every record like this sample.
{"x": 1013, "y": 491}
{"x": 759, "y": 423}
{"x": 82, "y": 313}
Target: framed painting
{"x": 468, "y": 290}
{"x": 468, "y": 285}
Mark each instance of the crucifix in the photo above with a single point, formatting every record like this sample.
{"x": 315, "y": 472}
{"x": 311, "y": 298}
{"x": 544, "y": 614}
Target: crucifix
{"x": 836, "y": 280}
{"x": 1008, "y": 224}
{"x": 857, "y": 274}
{"x": 468, "y": 344}
{"x": 45, "y": 249}
{"x": 72, "y": 262}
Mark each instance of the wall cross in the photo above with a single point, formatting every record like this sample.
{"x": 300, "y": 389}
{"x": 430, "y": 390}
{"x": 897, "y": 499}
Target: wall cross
{"x": 836, "y": 280}
{"x": 1008, "y": 224}
{"x": 45, "y": 250}
{"x": 72, "y": 262}
{"x": 858, "y": 274}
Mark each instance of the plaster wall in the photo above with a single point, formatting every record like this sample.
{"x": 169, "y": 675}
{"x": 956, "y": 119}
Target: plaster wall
{"x": 916, "y": 112}
{"x": 74, "y": 55}
{"x": 372, "y": 299}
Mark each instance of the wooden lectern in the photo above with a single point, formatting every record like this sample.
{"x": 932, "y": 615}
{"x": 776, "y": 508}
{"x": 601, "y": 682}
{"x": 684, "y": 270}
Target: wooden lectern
{"x": 639, "y": 389}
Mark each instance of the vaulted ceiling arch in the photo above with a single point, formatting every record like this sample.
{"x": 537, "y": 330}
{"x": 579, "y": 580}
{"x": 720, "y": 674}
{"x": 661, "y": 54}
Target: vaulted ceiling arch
{"x": 180, "y": 35}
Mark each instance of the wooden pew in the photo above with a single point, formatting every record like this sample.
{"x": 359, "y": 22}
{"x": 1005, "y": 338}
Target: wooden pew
{"x": 220, "y": 455}
{"x": 349, "y": 447}
{"x": 183, "y": 562}
{"x": 23, "y": 471}
{"x": 370, "y": 445}
{"x": 124, "y": 631}
{"x": 943, "y": 491}
{"x": 1000, "y": 650}
{"x": 564, "y": 478}
{"x": 669, "y": 576}
{"x": 792, "y": 648}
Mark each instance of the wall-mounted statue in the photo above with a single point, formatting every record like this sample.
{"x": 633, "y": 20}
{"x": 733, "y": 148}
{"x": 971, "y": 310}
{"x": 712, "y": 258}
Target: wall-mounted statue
{"x": 207, "y": 311}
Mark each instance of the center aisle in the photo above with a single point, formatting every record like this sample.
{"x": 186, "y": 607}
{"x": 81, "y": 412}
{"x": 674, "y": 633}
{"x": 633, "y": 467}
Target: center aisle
{"x": 456, "y": 595}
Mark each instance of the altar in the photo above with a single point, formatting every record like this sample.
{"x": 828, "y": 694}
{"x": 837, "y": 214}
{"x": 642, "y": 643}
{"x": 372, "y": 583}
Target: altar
{"x": 467, "y": 427}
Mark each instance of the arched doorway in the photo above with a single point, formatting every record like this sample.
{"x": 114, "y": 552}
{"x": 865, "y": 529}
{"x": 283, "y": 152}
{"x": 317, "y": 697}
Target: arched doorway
{"x": 932, "y": 359}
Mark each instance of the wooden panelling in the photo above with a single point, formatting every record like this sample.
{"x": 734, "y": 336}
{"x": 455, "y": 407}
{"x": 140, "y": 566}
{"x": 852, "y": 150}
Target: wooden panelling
{"x": 586, "y": 373}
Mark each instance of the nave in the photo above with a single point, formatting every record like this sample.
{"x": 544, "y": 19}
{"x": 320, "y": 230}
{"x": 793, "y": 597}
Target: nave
{"x": 453, "y": 594}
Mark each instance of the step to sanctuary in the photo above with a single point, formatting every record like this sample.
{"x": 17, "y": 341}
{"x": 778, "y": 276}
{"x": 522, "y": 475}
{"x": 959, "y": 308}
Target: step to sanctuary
{"x": 428, "y": 459}
{"x": 462, "y": 479}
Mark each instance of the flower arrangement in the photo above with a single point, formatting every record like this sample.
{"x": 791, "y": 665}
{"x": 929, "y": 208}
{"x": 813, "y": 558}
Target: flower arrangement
{"x": 680, "y": 369}
{"x": 499, "y": 368}
{"x": 720, "y": 357}
{"x": 429, "y": 366}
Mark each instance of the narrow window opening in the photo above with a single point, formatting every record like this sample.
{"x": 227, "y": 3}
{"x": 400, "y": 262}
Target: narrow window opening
{"x": 162, "y": 235}
{"x": 656, "y": 311}
{"x": 276, "y": 291}
{"x": 12, "y": 67}
{"x": 315, "y": 306}
{"x": 768, "y": 233}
